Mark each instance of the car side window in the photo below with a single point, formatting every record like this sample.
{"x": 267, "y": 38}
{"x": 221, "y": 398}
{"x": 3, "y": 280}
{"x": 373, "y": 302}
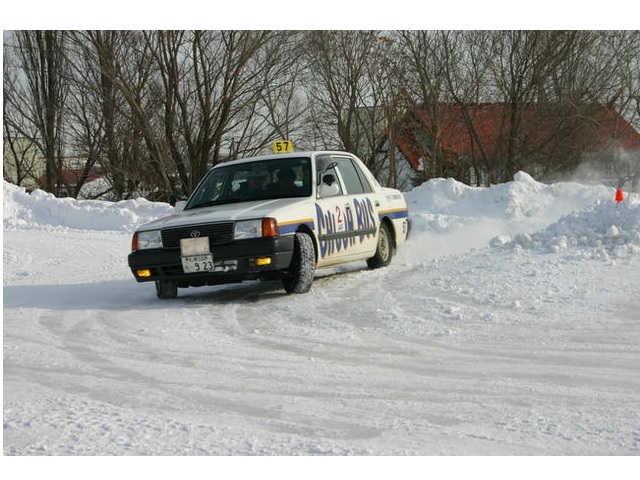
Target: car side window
{"x": 354, "y": 180}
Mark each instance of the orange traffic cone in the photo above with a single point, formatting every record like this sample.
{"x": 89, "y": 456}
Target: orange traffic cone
{"x": 619, "y": 195}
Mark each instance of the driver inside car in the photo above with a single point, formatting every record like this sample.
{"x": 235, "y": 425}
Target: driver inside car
{"x": 286, "y": 181}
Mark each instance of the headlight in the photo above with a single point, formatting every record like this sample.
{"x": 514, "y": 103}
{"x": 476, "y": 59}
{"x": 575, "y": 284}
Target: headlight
{"x": 265, "y": 227}
{"x": 247, "y": 229}
{"x": 145, "y": 240}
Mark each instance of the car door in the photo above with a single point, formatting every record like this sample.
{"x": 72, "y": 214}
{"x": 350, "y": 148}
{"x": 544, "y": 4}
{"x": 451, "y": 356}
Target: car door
{"x": 346, "y": 218}
{"x": 362, "y": 198}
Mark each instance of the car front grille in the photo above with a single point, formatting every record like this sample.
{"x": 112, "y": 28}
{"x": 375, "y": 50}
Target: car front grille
{"x": 218, "y": 233}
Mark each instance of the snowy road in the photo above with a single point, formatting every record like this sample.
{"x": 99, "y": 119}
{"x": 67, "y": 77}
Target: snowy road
{"x": 519, "y": 348}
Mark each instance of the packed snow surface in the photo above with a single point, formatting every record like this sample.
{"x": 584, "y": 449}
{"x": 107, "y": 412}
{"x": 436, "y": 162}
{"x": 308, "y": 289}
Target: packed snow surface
{"x": 508, "y": 324}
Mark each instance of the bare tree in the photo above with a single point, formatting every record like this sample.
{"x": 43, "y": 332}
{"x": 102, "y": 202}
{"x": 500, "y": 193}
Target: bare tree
{"x": 280, "y": 109}
{"x": 541, "y": 83}
{"x": 388, "y": 74}
{"x": 20, "y": 152}
{"x": 446, "y": 68}
{"x": 426, "y": 64}
{"x": 622, "y": 92}
{"x": 210, "y": 87}
{"x": 340, "y": 86}
{"x": 36, "y": 97}
{"x": 158, "y": 108}
{"x": 83, "y": 120}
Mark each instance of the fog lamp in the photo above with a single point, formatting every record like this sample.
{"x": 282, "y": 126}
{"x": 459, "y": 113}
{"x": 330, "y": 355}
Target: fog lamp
{"x": 262, "y": 261}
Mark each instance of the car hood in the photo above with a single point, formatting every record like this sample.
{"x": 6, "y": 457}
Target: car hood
{"x": 223, "y": 213}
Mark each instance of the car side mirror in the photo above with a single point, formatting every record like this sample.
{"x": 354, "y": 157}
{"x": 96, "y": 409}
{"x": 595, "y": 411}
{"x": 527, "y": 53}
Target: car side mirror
{"x": 329, "y": 186}
{"x": 328, "y": 179}
{"x": 324, "y": 163}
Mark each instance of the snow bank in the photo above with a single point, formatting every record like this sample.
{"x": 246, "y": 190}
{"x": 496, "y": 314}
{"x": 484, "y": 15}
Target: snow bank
{"x": 524, "y": 213}
{"x": 41, "y": 210}
{"x": 521, "y": 199}
{"x": 447, "y": 216}
{"x": 605, "y": 230}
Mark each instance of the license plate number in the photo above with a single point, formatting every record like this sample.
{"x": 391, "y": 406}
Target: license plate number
{"x": 197, "y": 263}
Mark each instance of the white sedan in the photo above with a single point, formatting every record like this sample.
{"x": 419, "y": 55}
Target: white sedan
{"x": 275, "y": 216}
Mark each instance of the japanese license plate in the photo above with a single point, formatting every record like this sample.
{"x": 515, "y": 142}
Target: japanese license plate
{"x": 197, "y": 263}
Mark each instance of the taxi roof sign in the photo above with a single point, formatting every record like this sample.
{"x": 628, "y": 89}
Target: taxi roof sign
{"x": 282, "y": 146}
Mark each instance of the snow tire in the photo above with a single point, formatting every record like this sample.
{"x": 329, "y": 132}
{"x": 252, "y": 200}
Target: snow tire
{"x": 299, "y": 277}
{"x": 166, "y": 289}
{"x": 384, "y": 250}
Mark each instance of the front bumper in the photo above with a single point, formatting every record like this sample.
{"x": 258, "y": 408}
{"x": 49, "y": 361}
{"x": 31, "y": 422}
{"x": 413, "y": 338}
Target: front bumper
{"x": 233, "y": 262}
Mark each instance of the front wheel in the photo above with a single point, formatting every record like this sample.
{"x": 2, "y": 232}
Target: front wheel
{"x": 384, "y": 250}
{"x": 166, "y": 289}
{"x": 299, "y": 276}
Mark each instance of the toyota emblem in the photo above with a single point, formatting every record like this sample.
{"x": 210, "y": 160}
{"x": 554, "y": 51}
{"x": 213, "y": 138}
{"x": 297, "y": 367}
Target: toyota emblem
{"x": 194, "y": 233}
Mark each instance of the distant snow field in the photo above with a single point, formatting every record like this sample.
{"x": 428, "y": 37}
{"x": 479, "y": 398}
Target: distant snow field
{"x": 508, "y": 324}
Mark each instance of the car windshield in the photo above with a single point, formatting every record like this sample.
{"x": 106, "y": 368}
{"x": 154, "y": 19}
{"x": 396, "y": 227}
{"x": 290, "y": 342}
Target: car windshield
{"x": 251, "y": 181}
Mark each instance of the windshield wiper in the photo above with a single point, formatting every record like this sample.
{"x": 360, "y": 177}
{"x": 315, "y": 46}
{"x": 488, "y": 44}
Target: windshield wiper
{"x": 214, "y": 202}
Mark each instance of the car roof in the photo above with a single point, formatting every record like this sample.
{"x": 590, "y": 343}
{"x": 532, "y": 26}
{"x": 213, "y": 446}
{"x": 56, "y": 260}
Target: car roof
{"x": 276, "y": 156}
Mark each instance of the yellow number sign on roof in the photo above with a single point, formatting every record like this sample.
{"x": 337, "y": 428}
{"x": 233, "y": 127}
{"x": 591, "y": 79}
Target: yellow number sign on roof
{"x": 282, "y": 146}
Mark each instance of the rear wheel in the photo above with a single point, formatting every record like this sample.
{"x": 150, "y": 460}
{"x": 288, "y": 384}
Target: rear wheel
{"x": 299, "y": 276}
{"x": 384, "y": 251}
{"x": 166, "y": 289}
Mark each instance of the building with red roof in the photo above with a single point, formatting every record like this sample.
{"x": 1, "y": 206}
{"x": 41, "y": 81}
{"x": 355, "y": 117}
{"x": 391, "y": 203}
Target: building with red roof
{"x": 487, "y": 143}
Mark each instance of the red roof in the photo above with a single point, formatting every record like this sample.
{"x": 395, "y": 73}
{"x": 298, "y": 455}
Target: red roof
{"x": 482, "y": 130}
